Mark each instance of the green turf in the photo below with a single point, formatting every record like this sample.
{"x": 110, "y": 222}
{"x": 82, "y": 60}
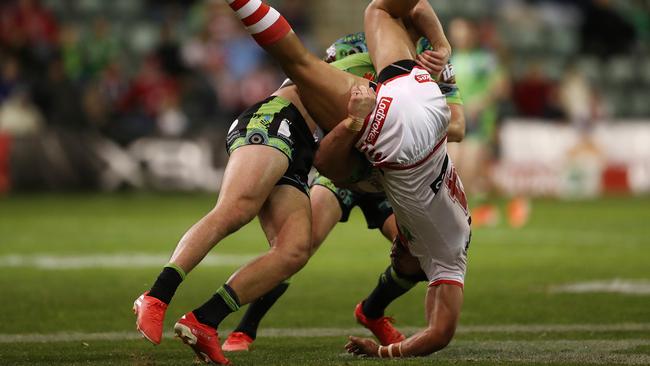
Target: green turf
{"x": 509, "y": 279}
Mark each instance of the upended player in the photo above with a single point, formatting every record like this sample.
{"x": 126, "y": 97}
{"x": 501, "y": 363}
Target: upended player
{"x": 404, "y": 134}
{"x": 332, "y": 204}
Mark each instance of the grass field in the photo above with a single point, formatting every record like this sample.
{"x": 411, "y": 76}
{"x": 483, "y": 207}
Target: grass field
{"x": 71, "y": 266}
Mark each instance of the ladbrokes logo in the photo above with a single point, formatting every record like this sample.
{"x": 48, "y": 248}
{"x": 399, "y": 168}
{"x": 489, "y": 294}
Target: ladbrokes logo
{"x": 380, "y": 117}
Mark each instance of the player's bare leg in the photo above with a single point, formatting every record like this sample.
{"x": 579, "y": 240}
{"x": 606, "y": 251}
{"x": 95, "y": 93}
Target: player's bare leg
{"x": 326, "y": 213}
{"x": 388, "y": 41}
{"x": 286, "y": 220}
{"x": 249, "y": 178}
{"x": 250, "y": 175}
{"x": 325, "y": 91}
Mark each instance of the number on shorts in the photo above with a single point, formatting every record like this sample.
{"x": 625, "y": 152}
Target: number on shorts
{"x": 455, "y": 187}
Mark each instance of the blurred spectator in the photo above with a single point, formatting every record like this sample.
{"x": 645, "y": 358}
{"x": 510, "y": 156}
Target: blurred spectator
{"x": 171, "y": 121}
{"x": 580, "y": 102}
{"x": 72, "y": 52}
{"x": 101, "y": 47}
{"x": 143, "y": 102}
{"x": 9, "y": 77}
{"x": 28, "y": 21}
{"x": 637, "y": 12}
{"x": 19, "y": 116}
{"x": 534, "y": 94}
{"x": 168, "y": 51}
{"x": 604, "y": 31}
{"x": 59, "y": 98}
{"x": 149, "y": 89}
{"x": 30, "y": 32}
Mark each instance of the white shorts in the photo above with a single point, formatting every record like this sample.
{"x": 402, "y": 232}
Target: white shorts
{"x": 432, "y": 215}
{"x": 406, "y": 137}
{"x": 411, "y": 116}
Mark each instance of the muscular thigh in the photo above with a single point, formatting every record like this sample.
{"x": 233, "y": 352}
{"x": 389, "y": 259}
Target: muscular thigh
{"x": 326, "y": 212}
{"x": 388, "y": 40}
{"x": 324, "y": 90}
{"x": 286, "y": 219}
{"x": 269, "y": 144}
{"x": 251, "y": 174}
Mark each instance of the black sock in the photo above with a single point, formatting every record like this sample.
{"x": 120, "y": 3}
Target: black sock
{"x": 224, "y": 302}
{"x": 390, "y": 287}
{"x": 257, "y": 309}
{"x": 166, "y": 284}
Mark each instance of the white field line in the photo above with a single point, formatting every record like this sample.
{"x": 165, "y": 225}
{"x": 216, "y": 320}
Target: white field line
{"x": 632, "y": 287}
{"x": 333, "y": 332}
{"x": 114, "y": 260}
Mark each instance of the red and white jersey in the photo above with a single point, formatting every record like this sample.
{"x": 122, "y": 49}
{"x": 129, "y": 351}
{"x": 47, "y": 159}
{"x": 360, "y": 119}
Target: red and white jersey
{"x": 405, "y": 137}
{"x": 410, "y": 114}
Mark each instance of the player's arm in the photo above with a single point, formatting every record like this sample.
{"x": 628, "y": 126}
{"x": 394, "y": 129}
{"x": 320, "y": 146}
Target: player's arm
{"x": 334, "y": 158}
{"x": 425, "y": 22}
{"x": 456, "y": 128}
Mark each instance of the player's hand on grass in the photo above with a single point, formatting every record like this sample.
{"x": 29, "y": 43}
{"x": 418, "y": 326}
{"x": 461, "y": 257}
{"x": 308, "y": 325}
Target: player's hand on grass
{"x": 433, "y": 61}
{"x": 362, "y": 102}
{"x": 363, "y": 347}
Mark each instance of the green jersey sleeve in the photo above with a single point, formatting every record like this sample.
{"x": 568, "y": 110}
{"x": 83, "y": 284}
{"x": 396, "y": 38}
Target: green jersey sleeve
{"x": 358, "y": 64}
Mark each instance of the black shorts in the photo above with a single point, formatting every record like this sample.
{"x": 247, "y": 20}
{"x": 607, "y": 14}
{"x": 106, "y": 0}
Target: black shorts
{"x": 277, "y": 123}
{"x": 375, "y": 206}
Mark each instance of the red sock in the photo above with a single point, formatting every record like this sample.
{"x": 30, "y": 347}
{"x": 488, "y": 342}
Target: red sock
{"x": 263, "y": 22}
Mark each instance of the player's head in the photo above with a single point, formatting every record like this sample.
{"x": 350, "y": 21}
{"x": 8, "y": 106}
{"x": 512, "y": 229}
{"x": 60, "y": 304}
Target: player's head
{"x": 346, "y": 46}
{"x": 423, "y": 45}
{"x": 356, "y": 43}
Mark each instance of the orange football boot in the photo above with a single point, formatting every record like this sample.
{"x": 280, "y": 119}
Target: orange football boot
{"x": 202, "y": 338}
{"x": 382, "y": 327}
{"x": 150, "y": 315}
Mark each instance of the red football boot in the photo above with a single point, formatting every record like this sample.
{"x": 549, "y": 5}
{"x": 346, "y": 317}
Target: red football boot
{"x": 203, "y": 339}
{"x": 150, "y": 314}
{"x": 237, "y": 342}
{"x": 382, "y": 327}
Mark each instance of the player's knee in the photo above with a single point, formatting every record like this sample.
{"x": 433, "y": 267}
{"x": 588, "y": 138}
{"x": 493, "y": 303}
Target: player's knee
{"x": 294, "y": 257}
{"x": 405, "y": 265}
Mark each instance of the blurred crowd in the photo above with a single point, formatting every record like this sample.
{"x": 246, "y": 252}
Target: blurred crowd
{"x": 189, "y": 66}
{"x": 200, "y": 71}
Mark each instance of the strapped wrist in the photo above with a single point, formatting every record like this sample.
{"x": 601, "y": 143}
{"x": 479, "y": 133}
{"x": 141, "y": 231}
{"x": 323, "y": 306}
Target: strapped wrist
{"x": 353, "y": 123}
